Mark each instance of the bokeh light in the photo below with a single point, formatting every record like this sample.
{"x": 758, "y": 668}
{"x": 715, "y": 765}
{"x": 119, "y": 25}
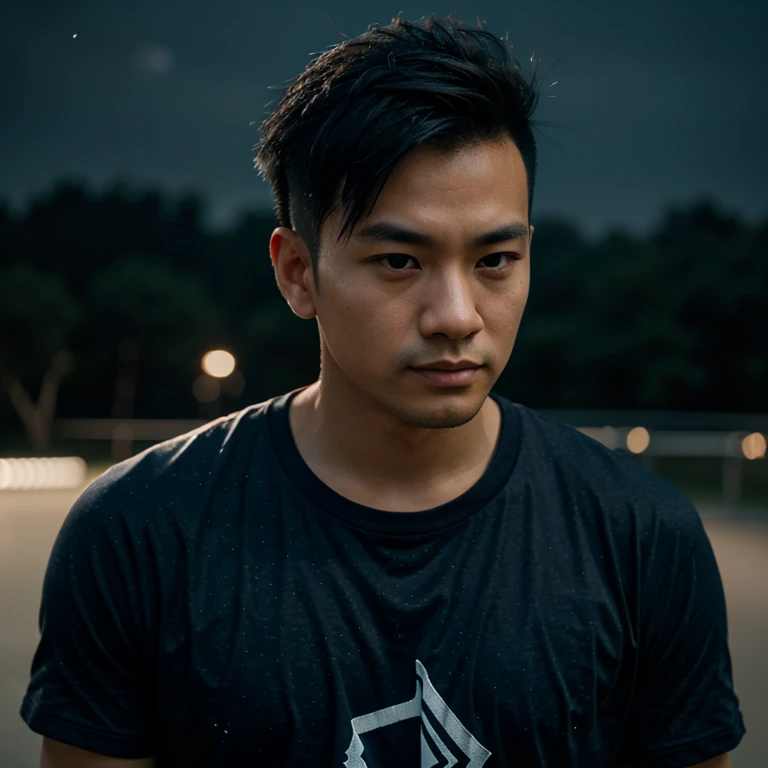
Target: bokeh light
{"x": 42, "y": 473}
{"x": 233, "y": 385}
{"x": 753, "y": 446}
{"x": 218, "y": 363}
{"x": 638, "y": 439}
{"x": 205, "y": 389}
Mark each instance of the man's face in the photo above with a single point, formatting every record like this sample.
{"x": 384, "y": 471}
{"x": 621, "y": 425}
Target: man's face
{"x": 448, "y": 297}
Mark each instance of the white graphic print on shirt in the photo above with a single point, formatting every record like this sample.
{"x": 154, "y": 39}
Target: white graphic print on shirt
{"x": 455, "y": 739}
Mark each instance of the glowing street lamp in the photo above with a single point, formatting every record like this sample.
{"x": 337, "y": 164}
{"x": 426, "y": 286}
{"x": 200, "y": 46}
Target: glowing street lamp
{"x": 218, "y": 363}
{"x": 219, "y": 376}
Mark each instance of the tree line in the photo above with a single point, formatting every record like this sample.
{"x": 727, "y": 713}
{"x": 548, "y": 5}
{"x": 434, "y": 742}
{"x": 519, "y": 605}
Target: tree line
{"x": 109, "y": 300}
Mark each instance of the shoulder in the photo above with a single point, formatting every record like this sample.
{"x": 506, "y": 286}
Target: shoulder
{"x": 172, "y": 475}
{"x": 609, "y": 484}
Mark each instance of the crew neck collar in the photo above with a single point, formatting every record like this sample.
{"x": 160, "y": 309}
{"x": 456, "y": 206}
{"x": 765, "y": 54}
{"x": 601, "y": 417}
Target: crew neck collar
{"x": 379, "y": 521}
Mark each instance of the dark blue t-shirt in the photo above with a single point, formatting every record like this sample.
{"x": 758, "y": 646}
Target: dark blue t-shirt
{"x": 212, "y": 602}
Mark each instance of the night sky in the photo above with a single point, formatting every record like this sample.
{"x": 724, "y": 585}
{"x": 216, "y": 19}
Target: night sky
{"x": 656, "y": 102}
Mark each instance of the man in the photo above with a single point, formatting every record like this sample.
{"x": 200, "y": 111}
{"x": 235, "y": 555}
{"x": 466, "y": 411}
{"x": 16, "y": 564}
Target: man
{"x": 389, "y": 566}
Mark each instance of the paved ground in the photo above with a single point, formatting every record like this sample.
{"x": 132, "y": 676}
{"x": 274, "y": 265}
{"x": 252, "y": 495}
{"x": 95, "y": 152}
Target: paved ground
{"x": 30, "y": 520}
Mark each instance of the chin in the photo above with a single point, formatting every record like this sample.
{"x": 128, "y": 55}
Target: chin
{"x": 438, "y": 411}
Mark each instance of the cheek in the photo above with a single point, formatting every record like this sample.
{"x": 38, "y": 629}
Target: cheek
{"x": 518, "y": 296}
{"x": 520, "y": 300}
{"x": 361, "y": 333}
{"x": 504, "y": 310}
{"x": 502, "y": 318}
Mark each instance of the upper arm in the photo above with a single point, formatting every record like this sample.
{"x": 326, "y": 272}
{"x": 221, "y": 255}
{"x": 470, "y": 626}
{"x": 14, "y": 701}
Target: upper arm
{"x": 55, "y": 754}
{"x": 91, "y": 681}
{"x": 684, "y": 709}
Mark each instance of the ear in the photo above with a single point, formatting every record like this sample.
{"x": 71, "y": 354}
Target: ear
{"x": 530, "y": 233}
{"x": 293, "y": 271}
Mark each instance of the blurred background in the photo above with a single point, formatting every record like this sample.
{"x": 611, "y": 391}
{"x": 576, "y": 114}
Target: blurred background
{"x": 137, "y": 299}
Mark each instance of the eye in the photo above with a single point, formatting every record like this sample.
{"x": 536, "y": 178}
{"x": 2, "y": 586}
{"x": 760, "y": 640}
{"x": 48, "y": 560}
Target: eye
{"x": 494, "y": 256}
{"x": 397, "y": 258}
{"x": 401, "y": 259}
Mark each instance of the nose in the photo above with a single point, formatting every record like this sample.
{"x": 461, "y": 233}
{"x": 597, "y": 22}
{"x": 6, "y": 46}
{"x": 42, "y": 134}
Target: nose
{"x": 450, "y": 307}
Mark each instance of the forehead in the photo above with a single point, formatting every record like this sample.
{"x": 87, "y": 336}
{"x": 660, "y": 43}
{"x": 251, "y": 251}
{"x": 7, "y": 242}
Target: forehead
{"x": 455, "y": 192}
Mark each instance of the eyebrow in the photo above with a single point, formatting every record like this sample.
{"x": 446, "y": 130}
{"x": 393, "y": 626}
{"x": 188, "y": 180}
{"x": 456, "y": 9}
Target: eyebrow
{"x": 388, "y": 230}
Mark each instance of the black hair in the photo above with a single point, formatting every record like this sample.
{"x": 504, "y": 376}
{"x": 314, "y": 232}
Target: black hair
{"x": 361, "y": 106}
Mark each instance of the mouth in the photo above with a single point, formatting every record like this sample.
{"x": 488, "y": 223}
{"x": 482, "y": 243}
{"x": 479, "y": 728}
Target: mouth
{"x": 454, "y": 378}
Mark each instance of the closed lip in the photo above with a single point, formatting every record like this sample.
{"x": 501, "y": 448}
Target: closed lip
{"x": 448, "y": 365}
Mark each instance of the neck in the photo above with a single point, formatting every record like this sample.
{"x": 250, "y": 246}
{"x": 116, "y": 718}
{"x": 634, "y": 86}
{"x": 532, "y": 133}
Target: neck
{"x": 352, "y": 442}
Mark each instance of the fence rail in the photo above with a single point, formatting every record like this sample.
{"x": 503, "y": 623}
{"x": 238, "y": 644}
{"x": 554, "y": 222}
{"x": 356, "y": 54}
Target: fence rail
{"x": 682, "y": 421}
{"x": 122, "y": 430}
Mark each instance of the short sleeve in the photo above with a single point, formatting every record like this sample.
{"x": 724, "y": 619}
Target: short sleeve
{"x": 684, "y": 710}
{"x": 90, "y": 681}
